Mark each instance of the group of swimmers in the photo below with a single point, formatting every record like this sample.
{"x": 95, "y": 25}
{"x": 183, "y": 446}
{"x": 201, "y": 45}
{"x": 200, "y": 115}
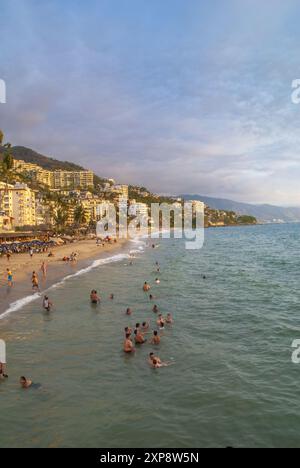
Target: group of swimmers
{"x": 137, "y": 337}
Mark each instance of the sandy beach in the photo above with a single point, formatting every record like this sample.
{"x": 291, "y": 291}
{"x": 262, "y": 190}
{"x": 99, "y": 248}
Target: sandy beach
{"x": 22, "y": 266}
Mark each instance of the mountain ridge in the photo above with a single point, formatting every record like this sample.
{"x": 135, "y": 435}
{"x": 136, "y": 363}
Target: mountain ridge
{"x": 264, "y": 213}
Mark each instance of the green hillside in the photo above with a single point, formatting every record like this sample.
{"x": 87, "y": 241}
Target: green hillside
{"x": 31, "y": 156}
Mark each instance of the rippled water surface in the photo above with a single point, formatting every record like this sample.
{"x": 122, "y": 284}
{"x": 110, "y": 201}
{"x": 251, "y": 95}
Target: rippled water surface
{"x": 232, "y": 384}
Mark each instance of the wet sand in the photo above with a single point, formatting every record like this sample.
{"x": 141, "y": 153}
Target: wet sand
{"x": 22, "y": 266}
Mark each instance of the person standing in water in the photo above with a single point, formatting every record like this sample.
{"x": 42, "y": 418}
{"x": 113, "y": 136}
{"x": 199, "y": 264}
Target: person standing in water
{"x": 9, "y": 277}
{"x": 44, "y": 269}
{"x": 47, "y": 304}
{"x": 128, "y": 345}
{"x": 3, "y": 374}
{"x": 35, "y": 281}
{"x": 95, "y": 299}
{"x": 146, "y": 287}
{"x": 155, "y": 340}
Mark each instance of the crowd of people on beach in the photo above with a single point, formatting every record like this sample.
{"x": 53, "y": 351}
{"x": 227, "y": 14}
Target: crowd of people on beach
{"x": 34, "y": 247}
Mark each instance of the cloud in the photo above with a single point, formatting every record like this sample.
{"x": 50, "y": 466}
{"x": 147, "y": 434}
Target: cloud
{"x": 193, "y": 99}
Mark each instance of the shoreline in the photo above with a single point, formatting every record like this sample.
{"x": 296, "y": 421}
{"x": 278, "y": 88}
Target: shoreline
{"x": 22, "y": 267}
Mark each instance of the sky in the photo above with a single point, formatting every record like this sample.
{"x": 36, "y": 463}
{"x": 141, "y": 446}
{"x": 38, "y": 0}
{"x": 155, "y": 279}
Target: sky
{"x": 180, "y": 96}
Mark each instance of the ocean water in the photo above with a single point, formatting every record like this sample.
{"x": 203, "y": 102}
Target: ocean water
{"x": 233, "y": 382}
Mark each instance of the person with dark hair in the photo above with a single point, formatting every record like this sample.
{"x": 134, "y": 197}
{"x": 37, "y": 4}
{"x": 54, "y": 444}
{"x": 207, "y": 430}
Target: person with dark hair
{"x": 128, "y": 331}
{"x": 95, "y": 299}
{"x": 25, "y": 383}
{"x": 155, "y": 309}
{"x": 128, "y": 311}
{"x": 3, "y": 374}
{"x": 145, "y": 326}
{"x": 139, "y": 337}
{"x": 160, "y": 321}
{"x": 128, "y": 345}
{"x": 155, "y": 339}
{"x": 47, "y": 304}
{"x": 146, "y": 287}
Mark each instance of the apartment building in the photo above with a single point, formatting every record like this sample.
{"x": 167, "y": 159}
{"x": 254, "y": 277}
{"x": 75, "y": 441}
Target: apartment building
{"x": 22, "y": 166}
{"x": 138, "y": 209}
{"x": 23, "y": 204}
{"x": 73, "y": 180}
{"x": 56, "y": 179}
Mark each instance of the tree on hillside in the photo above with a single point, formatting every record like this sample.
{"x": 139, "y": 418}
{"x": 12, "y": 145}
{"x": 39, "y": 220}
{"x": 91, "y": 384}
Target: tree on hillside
{"x": 8, "y": 160}
{"x": 60, "y": 219}
{"x": 79, "y": 215}
{"x": 1, "y": 137}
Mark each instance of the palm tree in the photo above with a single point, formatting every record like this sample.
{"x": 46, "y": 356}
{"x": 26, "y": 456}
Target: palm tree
{"x": 60, "y": 219}
{"x": 79, "y": 215}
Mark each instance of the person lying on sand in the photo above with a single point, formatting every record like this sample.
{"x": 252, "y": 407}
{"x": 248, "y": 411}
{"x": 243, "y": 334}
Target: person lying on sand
{"x": 128, "y": 345}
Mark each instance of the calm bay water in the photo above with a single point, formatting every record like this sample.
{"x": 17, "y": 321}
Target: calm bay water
{"x": 233, "y": 382}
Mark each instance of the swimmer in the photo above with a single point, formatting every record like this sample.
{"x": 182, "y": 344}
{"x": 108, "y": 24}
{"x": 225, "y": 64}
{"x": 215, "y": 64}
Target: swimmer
{"x": 128, "y": 331}
{"x": 169, "y": 319}
{"x": 25, "y": 383}
{"x": 128, "y": 345}
{"x": 128, "y": 311}
{"x": 137, "y": 327}
{"x": 157, "y": 365}
{"x": 157, "y": 281}
{"x": 145, "y": 326}
{"x": 160, "y": 321}
{"x": 111, "y": 297}
{"x": 151, "y": 297}
{"x": 155, "y": 339}
{"x": 151, "y": 357}
{"x": 3, "y": 374}
{"x": 155, "y": 309}
{"x": 146, "y": 287}
{"x": 95, "y": 299}
{"x": 47, "y": 304}
{"x": 139, "y": 337}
